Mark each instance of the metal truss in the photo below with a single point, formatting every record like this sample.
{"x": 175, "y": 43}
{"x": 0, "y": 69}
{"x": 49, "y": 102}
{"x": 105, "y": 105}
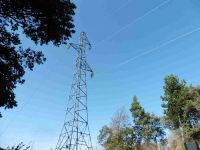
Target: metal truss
{"x": 75, "y": 134}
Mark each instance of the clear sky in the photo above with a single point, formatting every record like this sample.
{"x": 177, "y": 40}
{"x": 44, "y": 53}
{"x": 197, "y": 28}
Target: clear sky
{"x": 136, "y": 43}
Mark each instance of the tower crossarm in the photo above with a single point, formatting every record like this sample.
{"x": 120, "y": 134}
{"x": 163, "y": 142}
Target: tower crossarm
{"x": 75, "y": 46}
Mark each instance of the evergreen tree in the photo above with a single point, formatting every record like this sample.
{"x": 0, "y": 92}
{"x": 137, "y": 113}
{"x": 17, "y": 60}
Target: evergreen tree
{"x": 139, "y": 119}
{"x": 192, "y": 114}
{"x": 148, "y": 127}
{"x": 174, "y": 99}
{"x": 147, "y": 130}
{"x": 181, "y": 107}
{"x": 157, "y": 130}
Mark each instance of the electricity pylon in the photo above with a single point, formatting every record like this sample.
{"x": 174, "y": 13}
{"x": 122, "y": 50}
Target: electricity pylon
{"x": 75, "y": 134}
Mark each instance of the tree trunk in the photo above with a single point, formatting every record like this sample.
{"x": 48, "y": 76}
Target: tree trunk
{"x": 181, "y": 130}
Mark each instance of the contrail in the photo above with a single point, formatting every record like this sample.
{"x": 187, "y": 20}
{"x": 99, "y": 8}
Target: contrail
{"x": 160, "y": 46}
{"x": 134, "y": 21}
{"x": 122, "y": 6}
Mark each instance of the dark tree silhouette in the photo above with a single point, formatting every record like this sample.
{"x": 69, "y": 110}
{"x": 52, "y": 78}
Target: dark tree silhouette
{"x": 40, "y": 20}
{"x": 20, "y": 146}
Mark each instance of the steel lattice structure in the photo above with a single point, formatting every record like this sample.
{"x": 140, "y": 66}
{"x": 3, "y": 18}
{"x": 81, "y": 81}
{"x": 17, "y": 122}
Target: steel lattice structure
{"x": 75, "y": 134}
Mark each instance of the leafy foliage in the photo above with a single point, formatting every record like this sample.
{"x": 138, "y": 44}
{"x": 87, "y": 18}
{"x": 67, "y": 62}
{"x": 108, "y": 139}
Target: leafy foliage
{"x": 192, "y": 114}
{"x": 40, "y": 20}
{"x": 105, "y": 136}
{"x": 148, "y": 127}
{"x": 117, "y": 135}
{"x": 146, "y": 131}
{"x": 174, "y": 101}
{"x": 20, "y": 146}
{"x": 43, "y": 21}
{"x": 181, "y": 107}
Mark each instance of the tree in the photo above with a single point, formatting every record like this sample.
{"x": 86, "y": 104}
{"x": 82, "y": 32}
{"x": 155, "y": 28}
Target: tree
{"x": 148, "y": 127}
{"x": 175, "y": 91}
{"x": 147, "y": 130}
{"x": 117, "y": 136}
{"x": 40, "y": 20}
{"x": 104, "y": 136}
{"x": 192, "y": 114}
{"x": 120, "y": 120}
{"x": 122, "y": 140}
{"x": 140, "y": 121}
{"x": 20, "y": 146}
{"x": 157, "y": 130}
{"x": 181, "y": 107}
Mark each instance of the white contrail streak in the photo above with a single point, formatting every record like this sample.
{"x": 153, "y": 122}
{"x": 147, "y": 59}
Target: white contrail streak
{"x": 159, "y": 46}
{"x": 136, "y": 20}
{"x": 122, "y": 6}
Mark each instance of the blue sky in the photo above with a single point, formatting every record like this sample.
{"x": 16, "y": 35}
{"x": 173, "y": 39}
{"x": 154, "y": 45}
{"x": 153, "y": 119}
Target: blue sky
{"x": 136, "y": 43}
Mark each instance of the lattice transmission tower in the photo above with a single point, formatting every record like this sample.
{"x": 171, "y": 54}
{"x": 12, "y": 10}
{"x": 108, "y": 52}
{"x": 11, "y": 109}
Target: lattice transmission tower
{"x": 75, "y": 134}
